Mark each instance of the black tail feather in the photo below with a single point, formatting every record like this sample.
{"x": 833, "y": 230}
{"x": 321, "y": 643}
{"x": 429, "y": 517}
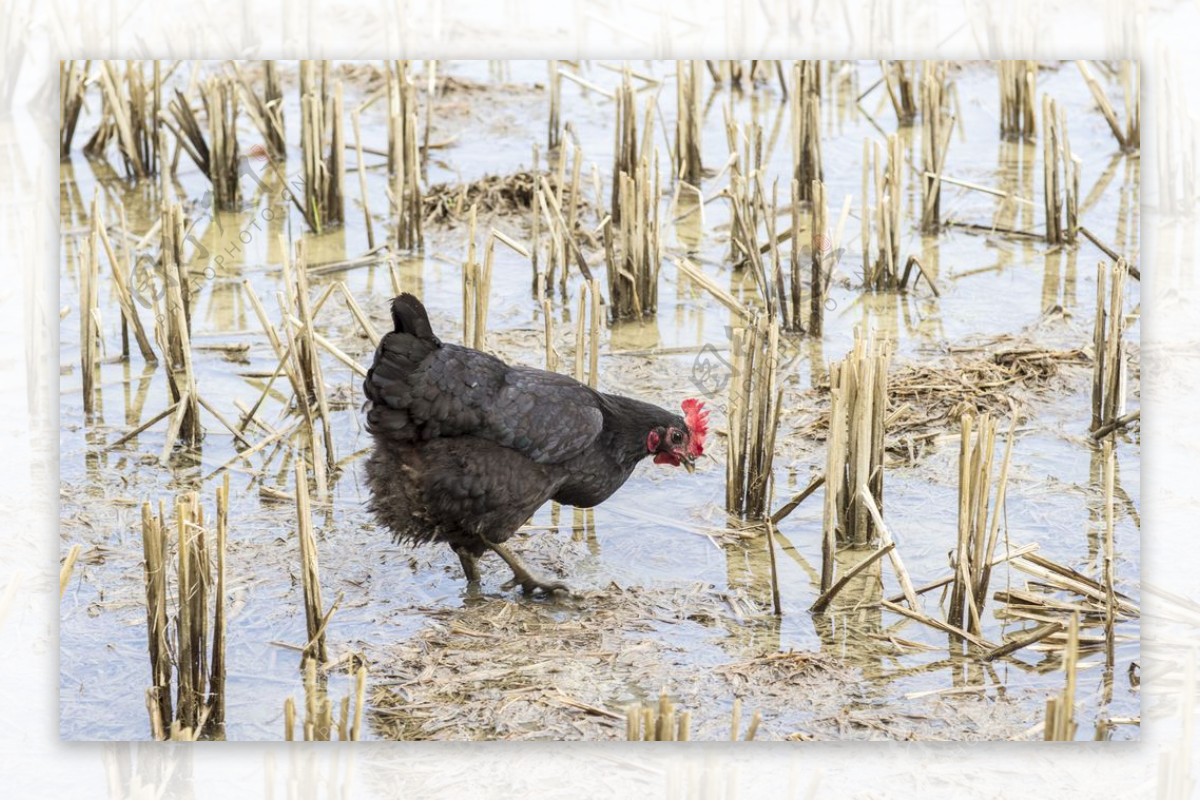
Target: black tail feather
{"x": 409, "y": 317}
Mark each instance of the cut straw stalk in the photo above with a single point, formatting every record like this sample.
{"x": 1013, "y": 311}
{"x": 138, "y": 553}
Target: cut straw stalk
{"x": 775, "y": 596}
{"x": 937, "y": 624}
{"x": 308, "y": 430}
{"x": 72, "y": 77}
{"x": 216, "y": 681}
{"x": 301, "y": 333}
{"x": 686, "y": 163}
{"x": 747, "y": 209}
{"x": 200, "y": 681}
{"x": 334, "y": 350}
{"x": 1134, "y": 272}
{"x": 319, "y": 723}
{"x": 477, "y": 282}
{"x": 154, "y": 547}
{"x": 172, "y": 227}
{"x": 563, "y": 241}
{"x": 858, "y": 406}
{"x": 171, "y": 330}
{"x": 360, "y": 696}
{"x": 820, "y": 249}
{"x": 1018, "y": 89}
{"x": 754, "y": 408}
{"x": 634, "y": 252}
{"x": 1117, "y": 424}
{"x": 664, "y": 722}
{"x": 913, "y": 261}
{"x": 658, "y": 723}
{"x": 806, "y": 126}
{"x": 215, "y": 152}
{"x": 134, "y": 115}
{"x": 221, "y": 104}
{"x": 1131, "y": 82}
{"x": 750, "y": 211}
{"x": 625, "y": 151}
{"x": 580, "y": 340}
{"x": 594, "y": 335}
{"x": 322, "y": 146}
{"x": 695, "y": 274}
{"x": 359, "y": 315}
{"x": 635, "y": 257}
{"x": 936, "y": 126}
{"x": 885, "y": 537}
{"x": 285, "y": 352}
{"x": 1109, "y": 576}
{"x": 1024, "y": 640}
{"x": 563, "y": 234}
{"x": 572, "y": 222}
{"x": 537, "y": 208}
{"x": 1068, "y": 579}
{"x": 1108, "y": 344}
{"x": 1060, "y": 709}
{"x": 548, "y": 328}
{"x": 899, "y": 81}
{"x": 404, "y": 157}
{"x": 68, "y": 567}
{"x": 824, "y": 599}
{"x": 89, "y": 314}
{"x": 797, "y": 499}
{"x": 121, "y": 269}
{"x": 587, "y": 335}
{"x": 192, "y": 622}
{"x": 881, "y": 271}
{"x": 309, "y": 569}
{"x": 795, "y": 259}
{"x": 947, "y": 580}
{"x": 554, "y": 126}
{"x": 1060, "y": 181}
{"x": 362, "y": 180}
{"x": 266, "y": 112}
{"x": 978, "y": 520}
{"x": 1106, "y": 108}
{"x": 476, "y": 290}
{"x": 186, "y": 394}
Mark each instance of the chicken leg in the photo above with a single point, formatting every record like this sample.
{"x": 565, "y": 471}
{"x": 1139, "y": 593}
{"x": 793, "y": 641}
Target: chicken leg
{"x": 470, "y": 565}
{"x": 529, "y": 581}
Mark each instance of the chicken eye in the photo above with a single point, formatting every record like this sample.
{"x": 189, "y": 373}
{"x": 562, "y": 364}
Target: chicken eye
{"x": 676, "y": 437}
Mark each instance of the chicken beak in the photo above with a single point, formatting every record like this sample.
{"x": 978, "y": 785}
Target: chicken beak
{"x": 689, "y": 463}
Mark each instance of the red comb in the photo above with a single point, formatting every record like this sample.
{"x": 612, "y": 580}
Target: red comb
{"x": 696, "y": 417}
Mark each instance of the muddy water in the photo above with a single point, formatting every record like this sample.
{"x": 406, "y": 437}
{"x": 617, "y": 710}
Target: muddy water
{"x": 664, "y": 536}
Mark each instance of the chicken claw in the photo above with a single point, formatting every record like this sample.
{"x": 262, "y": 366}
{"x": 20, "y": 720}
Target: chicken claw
{"x": 530, "y": 582}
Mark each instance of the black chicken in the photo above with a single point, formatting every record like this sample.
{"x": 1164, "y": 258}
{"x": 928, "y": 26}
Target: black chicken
{"x": 467, "y": 448}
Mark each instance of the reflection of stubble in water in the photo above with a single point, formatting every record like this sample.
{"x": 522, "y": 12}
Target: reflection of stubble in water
{"x": 851, "y": 626}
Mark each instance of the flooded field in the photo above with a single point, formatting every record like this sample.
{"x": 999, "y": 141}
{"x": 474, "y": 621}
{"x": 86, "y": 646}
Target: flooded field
{"x": 672, "y": 594}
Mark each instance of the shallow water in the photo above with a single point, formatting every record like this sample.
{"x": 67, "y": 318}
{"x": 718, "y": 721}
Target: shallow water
{"x": 664, "y": 529}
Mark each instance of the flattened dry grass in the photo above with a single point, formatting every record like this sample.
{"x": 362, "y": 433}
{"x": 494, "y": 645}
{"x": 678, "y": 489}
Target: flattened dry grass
{"x": 929, "y": 398}
{"x": 500, "y": 670}
{"x": 492, "y": 194}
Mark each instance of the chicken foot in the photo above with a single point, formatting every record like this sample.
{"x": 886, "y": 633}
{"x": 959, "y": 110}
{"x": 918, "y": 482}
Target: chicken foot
{"x": 529, "y": 581}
